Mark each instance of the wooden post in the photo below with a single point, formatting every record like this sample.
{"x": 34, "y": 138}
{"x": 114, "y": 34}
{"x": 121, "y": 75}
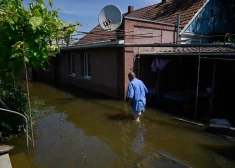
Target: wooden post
{"x": 138, "y": 62}
{"x": 29, "y": 106}
{"x": 198, "y": 77}
{"x": 212, "y": 88}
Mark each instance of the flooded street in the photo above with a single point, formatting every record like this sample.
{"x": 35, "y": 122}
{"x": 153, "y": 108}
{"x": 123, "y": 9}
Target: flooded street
{"x": 75, "y": 132}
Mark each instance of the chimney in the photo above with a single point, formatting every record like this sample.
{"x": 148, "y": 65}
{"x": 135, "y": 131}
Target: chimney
{"x": 130, "y": 9}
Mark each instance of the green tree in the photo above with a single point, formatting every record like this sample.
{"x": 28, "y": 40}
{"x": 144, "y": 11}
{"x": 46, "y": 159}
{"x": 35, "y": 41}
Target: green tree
{"x": 28, "y": 34}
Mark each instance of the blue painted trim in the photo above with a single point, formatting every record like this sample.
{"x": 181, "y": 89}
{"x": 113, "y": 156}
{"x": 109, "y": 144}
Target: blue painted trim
{"x": 183, "y": 30}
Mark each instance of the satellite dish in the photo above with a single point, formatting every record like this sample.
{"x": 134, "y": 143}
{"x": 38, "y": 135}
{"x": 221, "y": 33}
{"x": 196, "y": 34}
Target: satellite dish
{"x": 110, "y": 18}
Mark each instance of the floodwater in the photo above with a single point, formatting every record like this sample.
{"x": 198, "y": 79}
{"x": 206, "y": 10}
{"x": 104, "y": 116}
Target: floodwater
{"x": 75, "y": 132}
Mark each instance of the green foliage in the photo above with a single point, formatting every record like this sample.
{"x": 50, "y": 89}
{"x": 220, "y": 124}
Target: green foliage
{"x": 231, "y": 5}
{"x": 28, "y": 34}
{"x": 11, "y": 93}
{"x": 231, "y": 39}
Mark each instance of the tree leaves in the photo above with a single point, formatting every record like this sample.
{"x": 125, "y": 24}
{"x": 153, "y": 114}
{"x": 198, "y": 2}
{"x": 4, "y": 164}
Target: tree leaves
{"x": 35, "y": 22}
{"x": 26, "y": 59}
{"x": 17, "y": 45}
{"x": 28, "y": 33}
{"x": 50, "y": 3}
{"x": 20, "y": 45}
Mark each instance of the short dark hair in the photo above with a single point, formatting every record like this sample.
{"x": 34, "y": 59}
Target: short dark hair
{"x": 132, "y": 74}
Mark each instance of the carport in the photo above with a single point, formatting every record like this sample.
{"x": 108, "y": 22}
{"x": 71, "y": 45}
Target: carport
{"x": 207, "y": 59}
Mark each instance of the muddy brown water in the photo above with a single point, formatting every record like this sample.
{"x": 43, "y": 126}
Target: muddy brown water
{"x": 75, "y": 132}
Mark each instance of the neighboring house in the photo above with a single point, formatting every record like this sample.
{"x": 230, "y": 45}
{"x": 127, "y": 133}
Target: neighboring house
{"x": 98, "y": 62}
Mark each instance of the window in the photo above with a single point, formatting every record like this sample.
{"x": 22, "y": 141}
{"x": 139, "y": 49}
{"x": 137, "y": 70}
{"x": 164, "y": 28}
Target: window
{"x": 71, "y": 65}
{"x": 86, "y": 65}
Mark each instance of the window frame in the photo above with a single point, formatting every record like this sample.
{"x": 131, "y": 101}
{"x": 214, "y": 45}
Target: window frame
{"x": 72, "y": 70}
{"x": 86, "y": 65}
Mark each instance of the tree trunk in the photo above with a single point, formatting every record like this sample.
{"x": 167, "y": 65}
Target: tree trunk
{"x": 2, "y": 105}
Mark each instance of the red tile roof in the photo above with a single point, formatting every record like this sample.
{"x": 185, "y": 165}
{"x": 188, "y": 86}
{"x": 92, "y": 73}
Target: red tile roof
{"x": 97, "y": 35}
{"x": 167, "y": 11}
{"x": 162, "y": 12}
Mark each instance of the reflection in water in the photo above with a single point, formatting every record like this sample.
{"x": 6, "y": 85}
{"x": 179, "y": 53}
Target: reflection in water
{"x": 225, "y": 151}
{"x": 138, "y": 143}
{"x": 68, "y": 146}
{"x": 72, "y": 132}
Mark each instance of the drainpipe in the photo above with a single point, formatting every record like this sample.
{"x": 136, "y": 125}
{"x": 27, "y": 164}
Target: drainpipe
{"x": 198, "y": 80}
{"x": 178, "y": 28}
{"x": 138, "y": 63}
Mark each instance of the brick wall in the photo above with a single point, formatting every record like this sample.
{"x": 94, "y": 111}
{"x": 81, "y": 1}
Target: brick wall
{"x": 138, "y": 27}
{"x": 104, "y": 71}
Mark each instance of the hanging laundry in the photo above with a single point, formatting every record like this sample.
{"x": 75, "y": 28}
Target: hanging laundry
{"x": 159, "y": 64}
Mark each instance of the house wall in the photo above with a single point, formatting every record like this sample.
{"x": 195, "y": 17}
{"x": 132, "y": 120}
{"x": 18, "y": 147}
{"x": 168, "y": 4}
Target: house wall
{"x": 158, "y": 36}
{"x": 104, "y": 71}
{"x": 137, "y": 27}
{"x": 206, "y": 25}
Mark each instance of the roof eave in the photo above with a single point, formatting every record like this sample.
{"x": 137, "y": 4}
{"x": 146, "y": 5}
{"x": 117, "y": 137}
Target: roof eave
{"x": 191, "y": 54}
{"x": 121, "y": 43}
{"x": 149, "y": 21}
{"x": 95, "y": 45}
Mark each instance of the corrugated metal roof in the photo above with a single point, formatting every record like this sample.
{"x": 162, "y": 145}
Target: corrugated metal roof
{"x": 188, "y": 50}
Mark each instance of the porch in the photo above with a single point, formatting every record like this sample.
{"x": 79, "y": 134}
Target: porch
{"x": 199, "y": 81}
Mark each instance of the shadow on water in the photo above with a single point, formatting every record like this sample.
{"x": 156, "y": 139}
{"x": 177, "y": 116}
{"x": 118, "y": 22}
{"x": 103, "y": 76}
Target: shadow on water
{"x": 109, "y": 106}
{"x": 76, "y": 90}
{"x": 119, "y": 116}
{"x": 65, "y": 100}
{"x": 170, "y": 107}
{"x": 83, "y": 93}
{"x": 225, "y": 151}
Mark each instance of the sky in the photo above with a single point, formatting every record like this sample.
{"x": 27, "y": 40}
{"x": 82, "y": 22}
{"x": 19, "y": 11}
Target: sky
{"x": 86, "y": 11}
